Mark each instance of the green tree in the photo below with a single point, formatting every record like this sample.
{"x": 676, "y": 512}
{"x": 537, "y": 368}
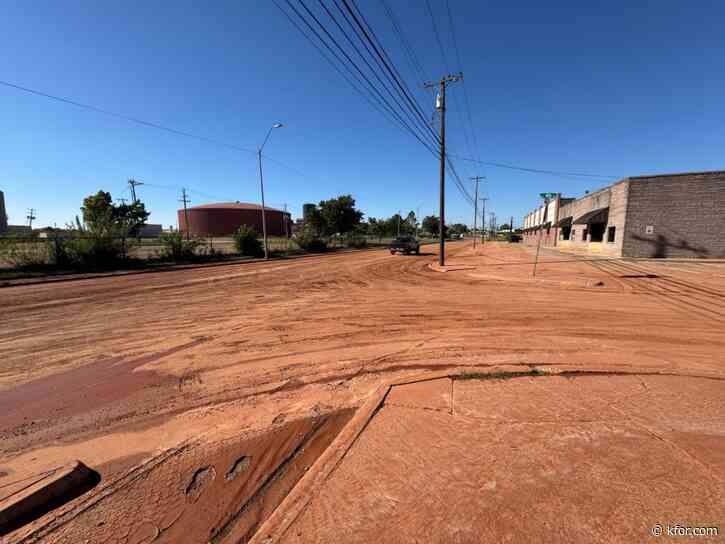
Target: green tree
{"x": 129, "y": 218}
{"x": 377, "y": 227}
{"x": 457, "y": 228}
{"x": 339, "y": 215}
{"x": 97, "y": 211}
{"x": 106, "y": 228}
{"x": 314, "y": 223}
{"x": 411, "y": 222}
{"x": 431, "y": 224}
{"x": 102, "y": 218}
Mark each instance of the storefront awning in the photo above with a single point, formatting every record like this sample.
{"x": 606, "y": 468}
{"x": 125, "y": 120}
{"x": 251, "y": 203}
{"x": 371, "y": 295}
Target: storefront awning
{"x": 595, "y": 216}
{"x": 565, "y": 222}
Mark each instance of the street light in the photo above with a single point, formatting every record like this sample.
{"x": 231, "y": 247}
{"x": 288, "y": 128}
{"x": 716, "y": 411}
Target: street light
{"x": 261, "y": 186}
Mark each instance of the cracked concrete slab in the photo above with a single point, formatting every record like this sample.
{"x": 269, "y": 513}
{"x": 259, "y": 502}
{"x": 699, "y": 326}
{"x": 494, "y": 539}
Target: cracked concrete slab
{"x": 590, "y": 458}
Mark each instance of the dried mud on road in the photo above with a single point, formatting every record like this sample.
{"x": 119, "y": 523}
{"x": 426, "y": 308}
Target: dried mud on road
{"x": 121, "y": 372}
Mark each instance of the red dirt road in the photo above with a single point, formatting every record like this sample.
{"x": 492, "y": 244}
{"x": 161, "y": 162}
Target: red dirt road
{"x": 116, "y": 370}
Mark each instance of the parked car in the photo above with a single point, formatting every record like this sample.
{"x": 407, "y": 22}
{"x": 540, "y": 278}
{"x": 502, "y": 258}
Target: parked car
{"x": 405, "y": 244}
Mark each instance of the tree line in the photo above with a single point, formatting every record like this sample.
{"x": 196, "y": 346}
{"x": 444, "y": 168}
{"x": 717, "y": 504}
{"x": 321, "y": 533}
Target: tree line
{"x": 339, "y": 217}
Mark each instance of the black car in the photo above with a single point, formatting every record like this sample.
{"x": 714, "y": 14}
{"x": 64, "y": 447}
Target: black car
{"x": 405, "y": 244}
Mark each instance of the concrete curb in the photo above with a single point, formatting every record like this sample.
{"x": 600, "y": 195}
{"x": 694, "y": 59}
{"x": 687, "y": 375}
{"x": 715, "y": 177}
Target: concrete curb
{"x": 275, "y": 527}
{"x": 46, "y": 492}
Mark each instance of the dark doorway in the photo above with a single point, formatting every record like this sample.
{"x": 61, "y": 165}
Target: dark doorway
{"x": 596, "y": 232}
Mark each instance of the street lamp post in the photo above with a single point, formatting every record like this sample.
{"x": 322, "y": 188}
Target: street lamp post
{"x": 261, "y": 187}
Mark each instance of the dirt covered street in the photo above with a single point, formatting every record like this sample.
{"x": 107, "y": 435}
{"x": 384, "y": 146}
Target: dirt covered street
{"x": 177, "y": 369}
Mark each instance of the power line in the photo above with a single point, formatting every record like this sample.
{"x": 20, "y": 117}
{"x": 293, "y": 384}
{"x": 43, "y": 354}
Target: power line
{"x": 126, "y": 117}
{"x": 372, "y": 89}
{"x": 390, "y": 66}
{"x": 538, "y": 170}
{"x": 360, "y": 54}
{"x": 438, "y": 37}
{"x": 465, "y": 91}
{"x": 415, "y": 64}
{"x": 459, "y": 183}
{"x": 146, "y": 123}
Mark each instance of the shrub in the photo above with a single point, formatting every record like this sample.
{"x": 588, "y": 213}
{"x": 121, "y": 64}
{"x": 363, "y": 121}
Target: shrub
{"x": 20, "y": 253}
{"x": 177, "y": 247}
{"x": 90, "y": 252}
{"x": 310, "y": 243}
{"x": 358, "y": 242}
{"x": 247, "y": 243}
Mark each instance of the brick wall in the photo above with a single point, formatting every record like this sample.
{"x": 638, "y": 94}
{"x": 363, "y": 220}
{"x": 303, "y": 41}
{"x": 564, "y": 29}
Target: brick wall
{"x": 685, "y": 213}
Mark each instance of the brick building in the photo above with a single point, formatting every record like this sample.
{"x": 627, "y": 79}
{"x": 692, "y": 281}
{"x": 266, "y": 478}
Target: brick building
{"x": 669, "y": 215}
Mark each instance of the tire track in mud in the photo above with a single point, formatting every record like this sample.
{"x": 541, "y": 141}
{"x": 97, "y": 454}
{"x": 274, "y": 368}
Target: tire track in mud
{"x": 687, "y": 298}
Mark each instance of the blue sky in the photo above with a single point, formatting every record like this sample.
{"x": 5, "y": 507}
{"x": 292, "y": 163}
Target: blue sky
{"x": 614, "y": 88}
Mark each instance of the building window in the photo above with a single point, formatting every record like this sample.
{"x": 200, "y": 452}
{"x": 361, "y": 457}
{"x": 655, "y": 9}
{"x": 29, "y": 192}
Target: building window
{"x": 611, "y": 231}
{"x": 584, "y": 235}
{"x": 565, "y": 233}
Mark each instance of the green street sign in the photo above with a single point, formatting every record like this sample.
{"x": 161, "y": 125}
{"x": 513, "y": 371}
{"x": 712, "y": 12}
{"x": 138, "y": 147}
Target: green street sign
{"x": 548, "y": 196}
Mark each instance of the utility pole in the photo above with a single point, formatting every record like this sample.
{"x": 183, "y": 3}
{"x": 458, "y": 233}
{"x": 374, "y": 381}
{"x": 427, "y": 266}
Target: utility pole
{"x": 417, "y": 220}
{"x": 186, "y": 201}
{"x": 286, "y": 226}
{"x": 441, "y": 106}
{"x": 399, "y": 212}
{"x": 483, "y": 220}
{"x": 475, "y": 208}
{"x": 31, "y": 217}
{"x": 261, "y": 187}
{"x": 132, "y": 183}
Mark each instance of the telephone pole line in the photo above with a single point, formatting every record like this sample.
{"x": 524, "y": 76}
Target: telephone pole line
{"x": 286, "y": 226}
{"x": 417, "y": 220}
{"x": 31, "y": 217}
{"x": 476, "y": 179}
{"x": 441, "y": 107}
{"x": 132, "y": 183}
{"x": 185, "y": 201}
{"x": 483, "y": 220}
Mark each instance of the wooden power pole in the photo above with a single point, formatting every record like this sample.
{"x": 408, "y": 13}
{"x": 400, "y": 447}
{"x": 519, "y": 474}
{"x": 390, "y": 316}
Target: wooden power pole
{"x": 475, "y": 208}
{"x": 483, "y": 220}
{"x": 185, "y": 200}
{"x": 441, "y": 107}
{"x": 31, "y": 217}
{"x": 132, "y": 183}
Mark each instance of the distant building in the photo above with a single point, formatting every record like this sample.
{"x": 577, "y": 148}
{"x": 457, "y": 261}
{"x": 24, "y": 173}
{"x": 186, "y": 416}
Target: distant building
{"x": 150, "y": 231}
{"x": 669, "y": 215}
{"x": 3, "y": 214}
{"x": 18, "y": 230}
{"x": 51, "y": 232}
{"x": 224, "y": 218}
